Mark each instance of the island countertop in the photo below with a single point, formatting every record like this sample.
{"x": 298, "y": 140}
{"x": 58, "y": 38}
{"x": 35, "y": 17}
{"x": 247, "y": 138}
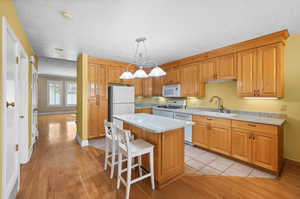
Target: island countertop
{"x": 153, "y": 123}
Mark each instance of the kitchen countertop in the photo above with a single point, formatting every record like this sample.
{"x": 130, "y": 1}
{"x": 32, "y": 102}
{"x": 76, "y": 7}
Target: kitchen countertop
{"x": 153, "y": 123}
{"x": 231, "y": 116}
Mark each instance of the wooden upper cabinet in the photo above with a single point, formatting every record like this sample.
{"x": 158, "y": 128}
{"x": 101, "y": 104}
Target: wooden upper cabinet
{"x": 138, "y": 87}
{"x": 172, "y": 76}
{"x": 270, "y": 70}
{"x": 147, "y": 87}
{"x": 114, "y": 73}
{"x": 189, "y": 80}
{"x": 247, "y": 63}
{"x": 208, "y": 68}
{"x": 260, "y": 72}
{"x": 226, "y": 67}
{"x": 157, "y": 86}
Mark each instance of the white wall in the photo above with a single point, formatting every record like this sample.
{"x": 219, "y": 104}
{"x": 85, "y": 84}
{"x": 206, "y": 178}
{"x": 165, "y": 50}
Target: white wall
{"x": 57, "y": 67}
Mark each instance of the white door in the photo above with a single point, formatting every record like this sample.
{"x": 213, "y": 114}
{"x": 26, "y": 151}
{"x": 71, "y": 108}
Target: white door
{"x": 10, "y": 140}
{"x": 123, "y": 94}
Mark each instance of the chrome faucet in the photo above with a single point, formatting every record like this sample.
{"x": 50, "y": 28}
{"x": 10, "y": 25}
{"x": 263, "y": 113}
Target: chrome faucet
{"x": 220, "y": 106}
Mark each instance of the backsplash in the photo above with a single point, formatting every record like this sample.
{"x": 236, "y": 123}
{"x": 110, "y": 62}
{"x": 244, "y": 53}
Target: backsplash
{"x": 227, "y": 91}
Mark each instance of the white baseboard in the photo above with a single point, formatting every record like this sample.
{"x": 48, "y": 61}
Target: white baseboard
{"x": 81, "y": 142}
{"x": 28, "y": 155}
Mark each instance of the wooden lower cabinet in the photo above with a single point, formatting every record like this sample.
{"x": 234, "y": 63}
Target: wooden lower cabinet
{"x": 200, "y": 137}
{"x": 143, "y": 110}
{"x": 241, "y": 144}
{"x": 168, "y": 152}
{"x": 257, "y": 144}
{"x": 264, "y": 151}
{"x": 220, "y": 139}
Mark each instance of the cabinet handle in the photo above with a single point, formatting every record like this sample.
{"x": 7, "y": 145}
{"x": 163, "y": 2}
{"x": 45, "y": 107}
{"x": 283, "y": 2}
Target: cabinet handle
{"x": 250, "y": 137}
{"x": 253, "y": 137}
{"x": 252, "y": 125}
{"x": 208, "y": 119}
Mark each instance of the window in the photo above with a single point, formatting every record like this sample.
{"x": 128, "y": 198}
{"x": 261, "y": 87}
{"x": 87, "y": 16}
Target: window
{"x": 55, "y": 89}
{"x": 70, "y": 93}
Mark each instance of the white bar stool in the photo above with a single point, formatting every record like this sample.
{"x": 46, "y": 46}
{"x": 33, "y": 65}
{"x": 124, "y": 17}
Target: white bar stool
{"x": 110, "y": 146}
{"x": 132, "y": 149}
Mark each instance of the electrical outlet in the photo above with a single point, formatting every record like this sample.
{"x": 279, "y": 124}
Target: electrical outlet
{"x": 283, "y": 107}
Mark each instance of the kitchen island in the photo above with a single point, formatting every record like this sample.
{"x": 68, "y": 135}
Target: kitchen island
{"x": 167, "y": 136}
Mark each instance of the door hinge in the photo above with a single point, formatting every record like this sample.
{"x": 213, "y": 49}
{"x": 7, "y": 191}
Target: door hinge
{"x": 17, "y": 60}
{"x": 17, "y": 147}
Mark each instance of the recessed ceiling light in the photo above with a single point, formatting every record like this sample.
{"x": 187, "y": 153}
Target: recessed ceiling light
{"x": 59, "y": 49}
{"x": 67, "y": 14}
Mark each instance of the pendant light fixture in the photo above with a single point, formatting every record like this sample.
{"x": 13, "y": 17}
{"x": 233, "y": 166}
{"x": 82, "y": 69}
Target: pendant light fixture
{"x": 142, "y": 60}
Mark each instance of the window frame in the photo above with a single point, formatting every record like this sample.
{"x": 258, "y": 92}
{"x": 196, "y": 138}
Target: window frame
{"x": 66, "y": 93}
{"x": 61, "y": 96}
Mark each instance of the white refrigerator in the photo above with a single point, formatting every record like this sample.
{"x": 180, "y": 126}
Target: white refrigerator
{"x": 120, "y": 101}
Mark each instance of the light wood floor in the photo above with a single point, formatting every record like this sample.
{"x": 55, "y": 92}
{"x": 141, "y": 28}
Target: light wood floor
{"x": 60, "y": 168}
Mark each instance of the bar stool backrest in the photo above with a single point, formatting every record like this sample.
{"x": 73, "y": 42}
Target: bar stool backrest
{"x": 110, "y": 130}
{"x": 123, "y": 138}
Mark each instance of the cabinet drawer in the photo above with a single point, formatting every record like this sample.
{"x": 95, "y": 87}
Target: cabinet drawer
{"x": 212, "y": 120}
{"x": 255, "y": 127}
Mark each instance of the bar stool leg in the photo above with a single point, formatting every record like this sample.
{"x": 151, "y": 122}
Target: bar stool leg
{"x": 152, "y": 170}
{"x": 140, "y": 165}
{"x": 129, "y": 159}
{"x": 119, "y": 169}
{"x": 113, "y": 159}
{"x": 106, "y": 155}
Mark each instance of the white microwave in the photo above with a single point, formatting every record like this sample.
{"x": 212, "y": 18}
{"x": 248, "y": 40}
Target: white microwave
{"x": 171, "y": 90}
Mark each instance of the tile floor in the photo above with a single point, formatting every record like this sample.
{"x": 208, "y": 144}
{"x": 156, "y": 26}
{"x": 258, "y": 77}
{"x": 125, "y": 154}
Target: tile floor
{"x": 203, "y": 162}
{"x": 199, "y": 161}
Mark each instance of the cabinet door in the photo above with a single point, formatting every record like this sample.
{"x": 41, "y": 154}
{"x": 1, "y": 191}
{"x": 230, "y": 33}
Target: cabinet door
{"x": 138, "y": 87}
{"x": 209, "y": 70}
{"x": 114, "y": 73}
{"x": 172, "y": 76}
{"x": 220, "y": 139}
{"x": 172, "y": 153}
{"x": 147, "y": 87}
{"x": 93, "y": 102}
{"x": 189, "y": 80}
{"x": 264, "y": 151}
{"x": 226, "y": 67}
{"x": 157, "y": 86}
{"x": 102, "y": 83}
{"x": 247, "y": 63}
{"x": 200, "y": 134}
{"x": 241, "y": 144}
{"x": 268, "y": 66}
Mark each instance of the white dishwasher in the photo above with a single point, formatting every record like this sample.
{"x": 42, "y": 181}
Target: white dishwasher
{"x": 188, "y": 131}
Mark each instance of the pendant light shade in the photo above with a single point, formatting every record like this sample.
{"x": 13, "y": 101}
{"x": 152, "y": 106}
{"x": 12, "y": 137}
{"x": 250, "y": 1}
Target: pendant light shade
{"x": 157, "y": 72}
{"x": 126, "y": 75}
{"x": 141, "y": 60}
{"x": 140, "y": 73}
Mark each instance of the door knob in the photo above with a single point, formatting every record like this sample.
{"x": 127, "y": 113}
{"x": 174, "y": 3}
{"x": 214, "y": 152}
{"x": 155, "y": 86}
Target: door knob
{"x": 12, "y": 104}
{"x": 21, "y": 116}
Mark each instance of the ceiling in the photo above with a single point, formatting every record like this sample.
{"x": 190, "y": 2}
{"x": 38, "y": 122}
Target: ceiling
{"x": 174, "y": 29}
